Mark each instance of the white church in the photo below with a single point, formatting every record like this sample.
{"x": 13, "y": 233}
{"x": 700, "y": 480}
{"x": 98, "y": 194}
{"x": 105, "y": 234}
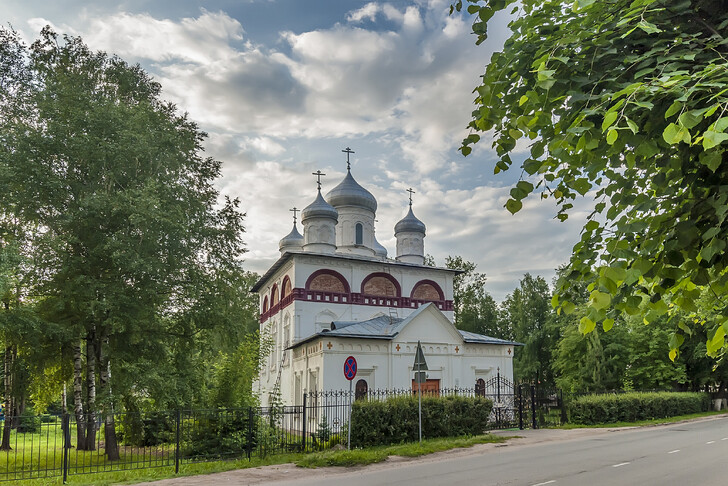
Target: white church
{"x": 334, "y": 293}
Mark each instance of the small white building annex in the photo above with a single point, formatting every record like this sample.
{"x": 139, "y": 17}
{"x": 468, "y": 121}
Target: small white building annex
{"x": 334, "y": 293}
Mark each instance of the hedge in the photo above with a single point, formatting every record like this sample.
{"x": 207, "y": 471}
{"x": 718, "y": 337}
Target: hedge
{"x": 395, "y": 420}
{"x": 634, "y": 406}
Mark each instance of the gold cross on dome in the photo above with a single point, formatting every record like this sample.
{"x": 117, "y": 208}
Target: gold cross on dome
{"x": 318, "y": 175}
{"x": 294, "y": 210}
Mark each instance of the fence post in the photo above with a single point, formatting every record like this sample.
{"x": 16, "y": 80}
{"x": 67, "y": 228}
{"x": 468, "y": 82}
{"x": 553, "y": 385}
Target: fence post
{"x": 177, "y": 425}
{"x": 520, "y": 406}
{"x": 533, "y": 407}
{"x": 250, "y": 432}
{"x": 66, "y": 433}
{"x": 304, "y": 423}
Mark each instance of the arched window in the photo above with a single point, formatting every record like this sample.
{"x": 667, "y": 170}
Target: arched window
{"x": 265, "y": 304}
{"x": 286, "y": 287}
{"x": 362, "y": 388}
{"x": 359, "y": 230}
{"x": 427, "y": 290}
{"x": 480, "y": 387}
{"x": 381, "y": 285}
{"x": 327, "y": 281}
{"x": 274, "y": 296}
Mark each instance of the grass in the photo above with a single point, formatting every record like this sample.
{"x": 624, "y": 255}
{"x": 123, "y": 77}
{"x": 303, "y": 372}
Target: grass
{"x": 357, "y": 457}
{"x": 642, "y": 423}
{"x": 371, "y": 455}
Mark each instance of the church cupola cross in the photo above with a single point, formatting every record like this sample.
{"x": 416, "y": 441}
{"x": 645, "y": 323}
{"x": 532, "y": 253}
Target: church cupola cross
{"x": 348, "y": 152}
{"x": 318, "y": 175}
{"x": 411, "y": 191}
{"x": 294, "y": 211}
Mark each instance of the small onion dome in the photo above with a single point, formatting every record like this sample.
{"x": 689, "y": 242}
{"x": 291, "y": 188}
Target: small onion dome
{"x": 409, "y": 224}
{"x": 379, "y": 250}
{"x": 319, "y": 208}
{"x": 294, "y": 239}
{"x": 350, "y": 193}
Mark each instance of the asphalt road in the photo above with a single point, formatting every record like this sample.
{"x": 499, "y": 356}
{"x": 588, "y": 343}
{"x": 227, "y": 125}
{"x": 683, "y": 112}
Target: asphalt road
{"x": 692, "y": 453}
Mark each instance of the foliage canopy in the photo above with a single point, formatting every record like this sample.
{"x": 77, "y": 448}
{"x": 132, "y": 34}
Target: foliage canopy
{"x": 626, "y": 101}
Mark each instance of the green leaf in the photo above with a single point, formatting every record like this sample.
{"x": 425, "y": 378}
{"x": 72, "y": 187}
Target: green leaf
{"x": 675, "y": 107}
{"x": 525, "y": 186}
{"x": 523, "y": 99}
{"x": 689, "y": 119}
{"x": 581, "y": 186}
{"x": 674, "y": 134}
{"x": 513, "y": 206}
{"x": 721, "y": 124}
{"x": 632, "y": 126}
{"x": 600, "y": 300}
{"x": 612, "y": 135}
{"x": 607, "y": 324}
{"x": 586, "y": 325}
{"x": 648, "y": 27}
{"x": 712, "y": 139}
{"x": 609, "y": 120}
{"x": 711, "y": 159}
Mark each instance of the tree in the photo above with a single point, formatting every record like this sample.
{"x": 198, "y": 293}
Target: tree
{"x": 475, "y": 309}
{"x": 138, "y": 253}
{"x": 626, "y": 101}
{"x": 527, "y": 309}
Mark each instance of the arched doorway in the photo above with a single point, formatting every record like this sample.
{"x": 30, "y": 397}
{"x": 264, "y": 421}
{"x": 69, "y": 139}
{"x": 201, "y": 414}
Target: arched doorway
{"x": 480, "y": 387}
{"x": 362, "y": 388}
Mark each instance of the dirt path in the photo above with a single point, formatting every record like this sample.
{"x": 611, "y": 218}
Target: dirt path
{"x": 288, "y": 472}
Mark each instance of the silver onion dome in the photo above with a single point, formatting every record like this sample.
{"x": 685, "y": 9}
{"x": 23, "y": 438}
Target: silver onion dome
{"x": 350, "y": 193}
{"x": 319, "y": 208}
{"x": 379, "y": 250}
{"x": 409, "y": 224}
{"x": 292, "y": 239}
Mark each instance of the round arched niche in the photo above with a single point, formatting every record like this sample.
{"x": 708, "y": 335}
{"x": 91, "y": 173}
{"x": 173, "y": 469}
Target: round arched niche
{"x": 286, "y": 287}
{"x": 427, "y": 290}
{"x": 274, "y": 295}
{"x": 265, "y": 304}
{"x": 327, "y": 281}
{"x": 381, "y": 285}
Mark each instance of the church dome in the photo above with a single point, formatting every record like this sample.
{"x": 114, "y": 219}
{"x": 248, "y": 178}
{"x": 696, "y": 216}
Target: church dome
{"x": 409, "y": 224}
{"x": 350, "y": 193}
{"x": 294, "y": 239}
{"x": 319, "y": 208}
{"x": 379, "y": 250}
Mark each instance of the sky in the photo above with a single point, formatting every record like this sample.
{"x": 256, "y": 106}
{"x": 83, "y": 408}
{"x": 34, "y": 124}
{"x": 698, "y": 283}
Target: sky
{"x": 283, "y": 86}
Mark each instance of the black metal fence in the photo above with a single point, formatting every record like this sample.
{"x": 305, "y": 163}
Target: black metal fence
{"x": 53, "y": 446}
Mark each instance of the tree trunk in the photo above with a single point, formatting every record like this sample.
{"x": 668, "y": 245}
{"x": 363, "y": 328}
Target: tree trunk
{"x": 78, "y": 397}
{"x": 7, "y": 378}
{"x": 18, "y": 406}
{"x": 110, "y": 443}
{"x": 91, "y": 390}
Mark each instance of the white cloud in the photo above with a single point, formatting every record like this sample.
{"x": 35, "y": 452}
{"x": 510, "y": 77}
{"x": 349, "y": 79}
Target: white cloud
{"x": 368, "y": 11}
{"x": 400, "y": 95}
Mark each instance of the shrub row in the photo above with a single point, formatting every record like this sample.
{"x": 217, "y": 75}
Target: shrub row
{"x": 396, "y": 420}
{"x": 633, "y": 406}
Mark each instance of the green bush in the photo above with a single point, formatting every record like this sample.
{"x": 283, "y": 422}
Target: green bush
{"x": 218, "y": 434}
{"x": 396, "y": 420}
{"x": 634, "y": 406}
{"x": 147, "y": 429}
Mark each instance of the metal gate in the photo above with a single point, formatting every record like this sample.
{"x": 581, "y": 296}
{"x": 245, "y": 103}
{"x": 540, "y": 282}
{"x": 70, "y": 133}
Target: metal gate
{"x": 513, "y": 405}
